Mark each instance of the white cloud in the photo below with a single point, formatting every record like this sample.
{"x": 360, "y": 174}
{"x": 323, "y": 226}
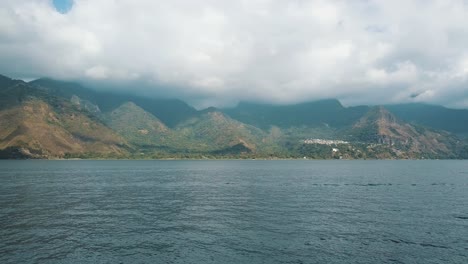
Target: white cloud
{"x": 405, "y": 73}
{"x": 97, "y": 72}
{"x": 224, "y": 51}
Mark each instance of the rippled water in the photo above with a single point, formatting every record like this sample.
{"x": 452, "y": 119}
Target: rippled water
{"x": 234, "y": 212}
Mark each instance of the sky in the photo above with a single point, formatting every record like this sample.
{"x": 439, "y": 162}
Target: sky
{"x": 220, "y": 52}
{"x": 63, "y": 6}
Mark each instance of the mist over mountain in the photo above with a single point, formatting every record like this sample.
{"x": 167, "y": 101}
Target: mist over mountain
{"x": 46, "y": 118}
{"x": 220, "y": 131}
{"x": 217, "y": 53}
{"x": 438, "y": 117}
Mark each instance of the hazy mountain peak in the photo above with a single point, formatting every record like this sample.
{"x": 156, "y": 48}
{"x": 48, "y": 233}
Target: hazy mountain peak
{"x": 377, "y": 119}
{"x": 4, "y": 78}
{"x": 377, "y": 114}
{"x": 210, "y": 109}
{"x": 322, "y": 102}
{"x": 171, "y": 126}
{"x": 52, "y": 83}
{"x": 130, "y": 119}
{"x": 6, "y": 82}
{"x": 130, "y": 106}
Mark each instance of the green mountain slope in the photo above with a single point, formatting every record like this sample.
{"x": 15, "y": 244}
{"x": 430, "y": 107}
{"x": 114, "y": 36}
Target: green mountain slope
{"x": 37, "y": 130}
{"x": 379, "y": 126}
{"x": 169, "y": 111}
{"x": 324, "y": 112}
{"x": 53, "y": 119}
{"x": 40, "y": 125}
{"x": 214, "y": 131}
{"x": 138, "y": 126}
{"x": 437, "y": 117}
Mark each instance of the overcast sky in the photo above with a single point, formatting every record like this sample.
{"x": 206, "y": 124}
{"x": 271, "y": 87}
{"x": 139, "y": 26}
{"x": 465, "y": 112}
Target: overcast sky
{"x": 217, "y": 52}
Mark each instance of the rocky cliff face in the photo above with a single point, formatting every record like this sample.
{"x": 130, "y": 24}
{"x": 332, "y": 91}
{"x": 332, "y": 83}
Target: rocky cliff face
{"x": 49, "y": 119}
{"x": 40, "y": 125}
{"x": 381, "y": 127}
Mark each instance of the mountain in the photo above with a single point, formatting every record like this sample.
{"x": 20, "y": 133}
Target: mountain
{"x": 437, "y": 117}
{"x": 325, "y": 112}
{"x": 7, "y": 82}
{"x": 379, "y": 126}
{"x": 215, "y": 131}
{"x": 39, "y": 125}
{"x": 170, "y": 111}
{"x": 207, "y": 131}
{"x": 136, "y": 125}
{"x": 47, "y": 118}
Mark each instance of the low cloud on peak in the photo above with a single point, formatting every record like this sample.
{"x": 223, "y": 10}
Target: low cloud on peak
{"x": 220, "y": 52}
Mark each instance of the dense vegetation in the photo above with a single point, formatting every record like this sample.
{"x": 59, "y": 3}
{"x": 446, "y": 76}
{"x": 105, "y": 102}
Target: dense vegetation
{"x": 54, "y": 119}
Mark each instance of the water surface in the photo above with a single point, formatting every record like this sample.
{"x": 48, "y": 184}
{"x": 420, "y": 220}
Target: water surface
{"x": 233, "y": 212}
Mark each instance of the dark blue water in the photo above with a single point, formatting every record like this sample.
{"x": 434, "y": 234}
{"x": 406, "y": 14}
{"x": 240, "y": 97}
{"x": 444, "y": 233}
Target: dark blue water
{"x": 234, "y": 212}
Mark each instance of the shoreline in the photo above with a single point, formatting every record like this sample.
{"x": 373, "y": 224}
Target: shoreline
{"x": 226, "y": 159}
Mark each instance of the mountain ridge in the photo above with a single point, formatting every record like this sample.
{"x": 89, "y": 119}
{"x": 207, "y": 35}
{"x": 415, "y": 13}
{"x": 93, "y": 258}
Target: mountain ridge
{"x": 103, "y": 124}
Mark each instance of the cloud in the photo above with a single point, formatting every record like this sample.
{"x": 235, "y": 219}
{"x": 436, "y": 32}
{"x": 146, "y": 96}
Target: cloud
{"x": 214, "y": 52}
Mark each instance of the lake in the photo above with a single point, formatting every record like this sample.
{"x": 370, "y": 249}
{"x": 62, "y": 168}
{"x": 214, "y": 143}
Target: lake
{"x": 234, "y": 211}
